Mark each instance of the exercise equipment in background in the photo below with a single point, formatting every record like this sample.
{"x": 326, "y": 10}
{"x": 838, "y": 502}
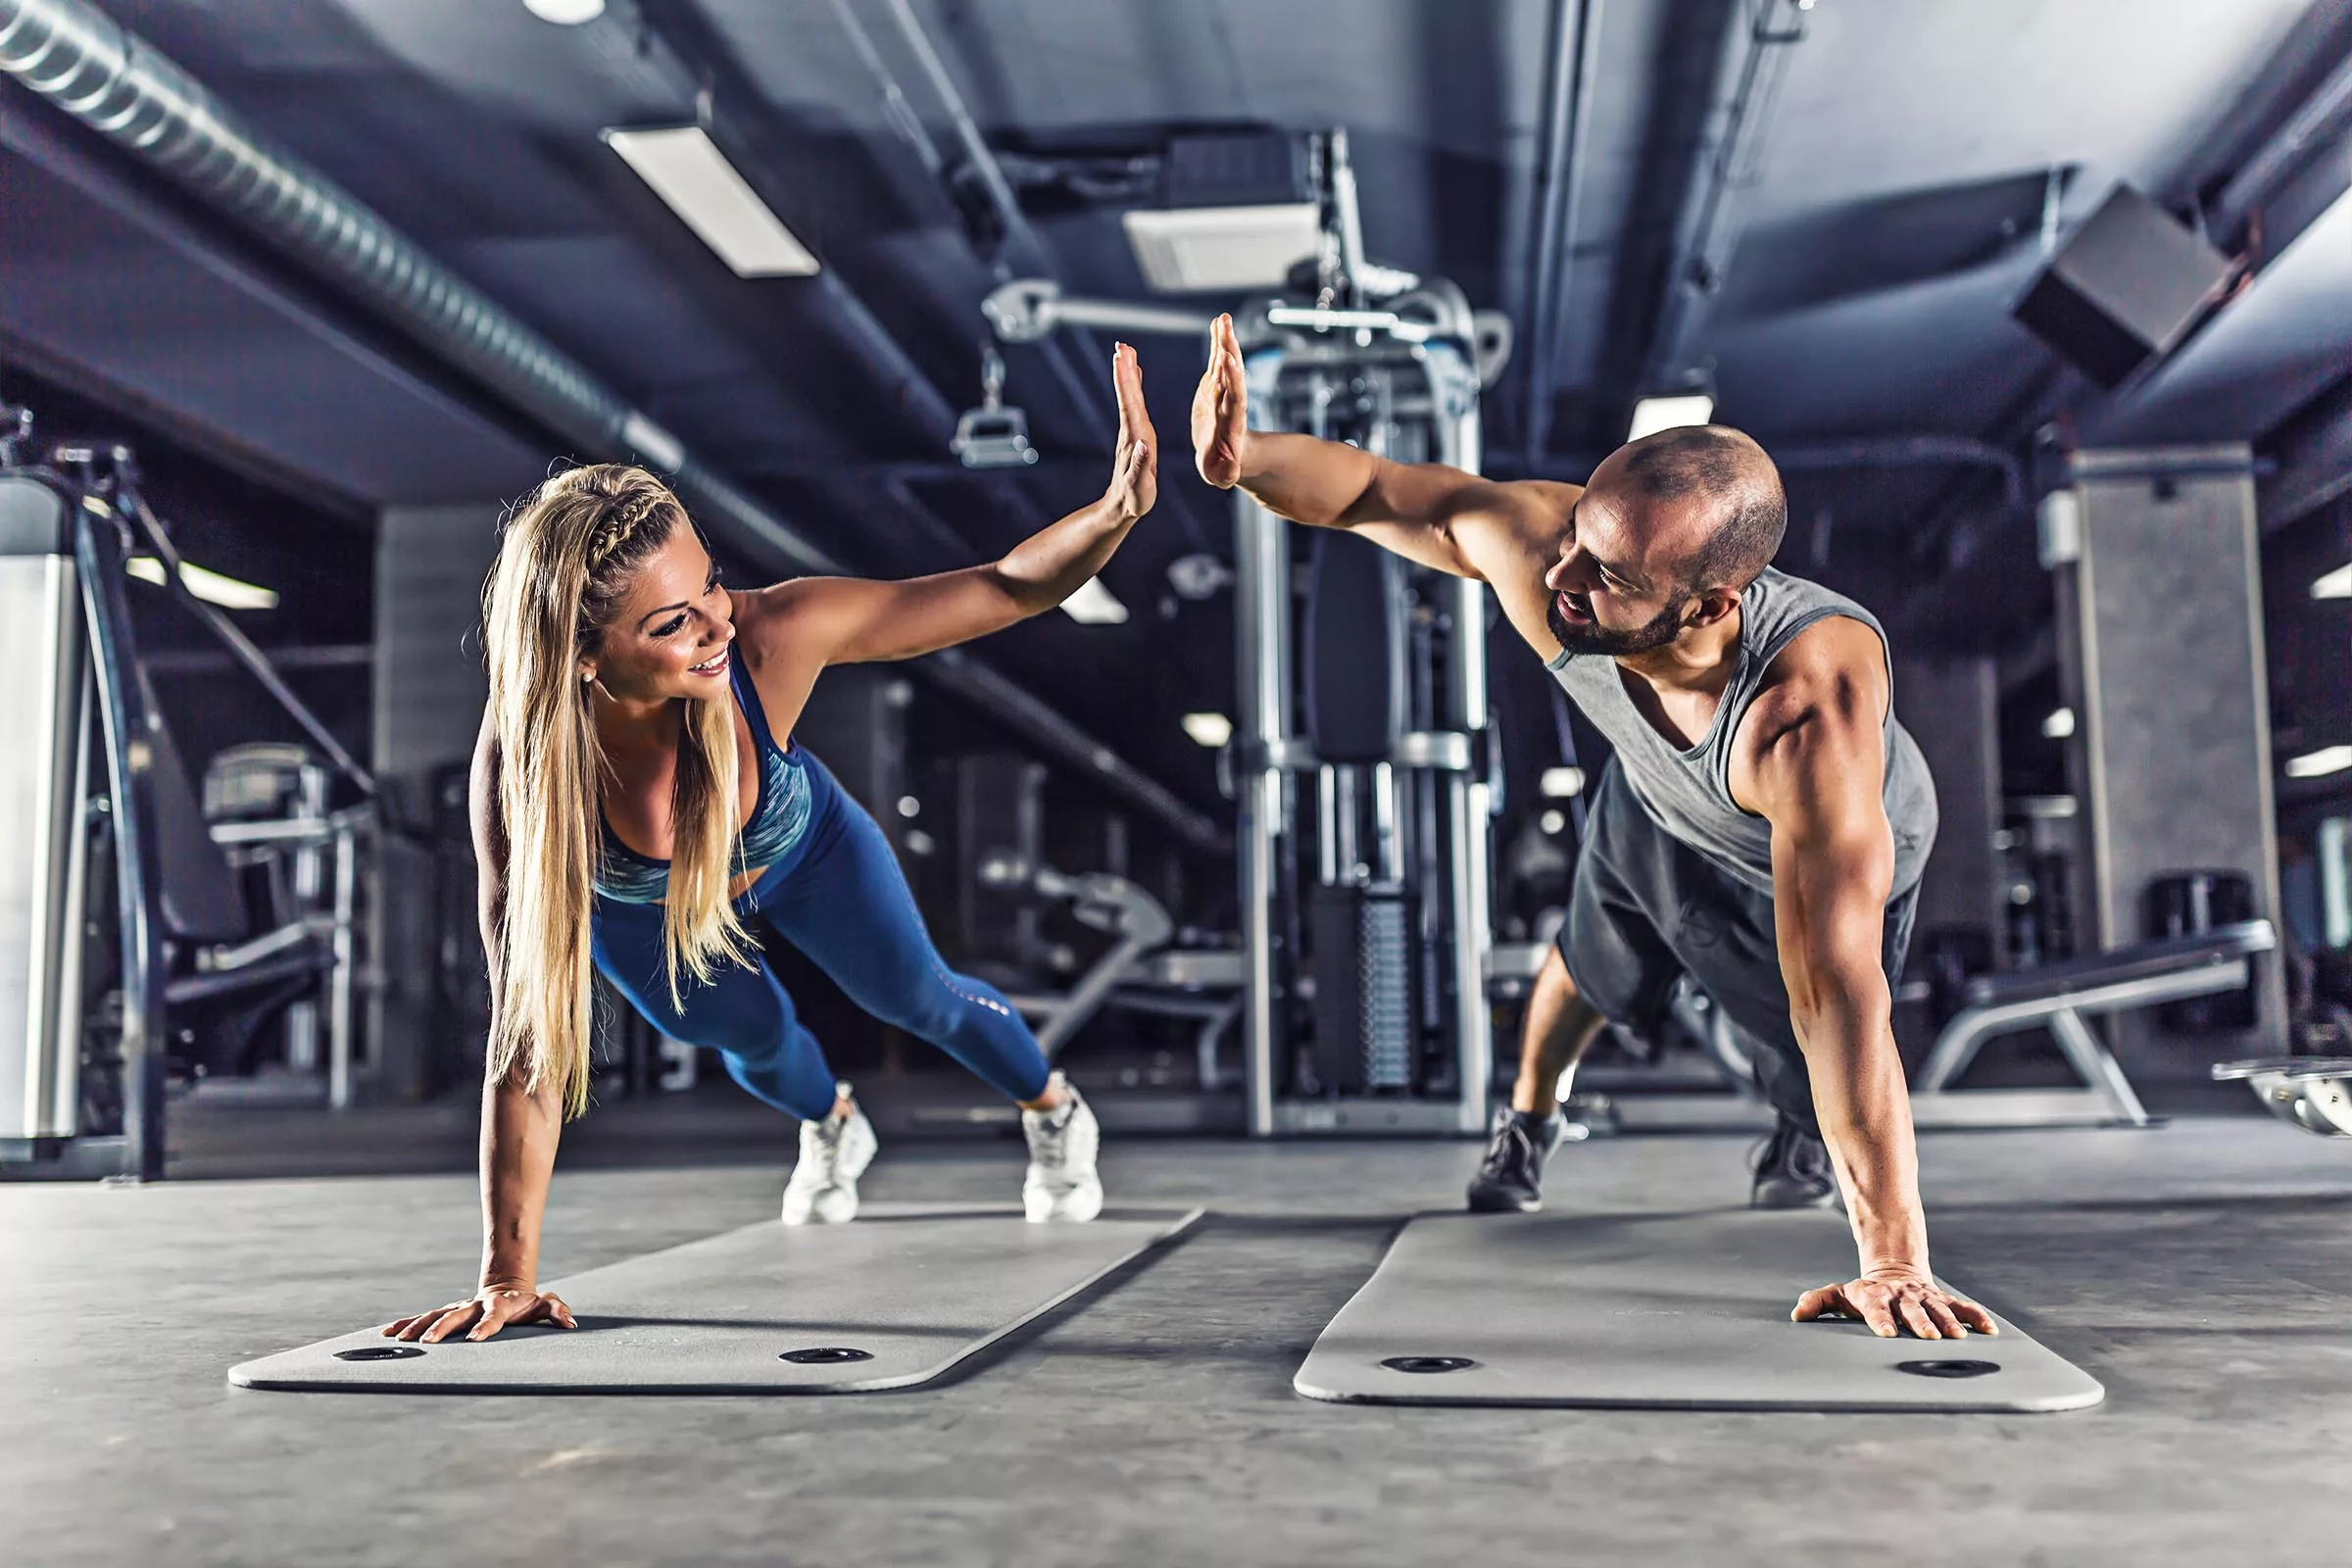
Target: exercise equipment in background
{"x": 2315, "y": 1093}
{"x": 148, "y": 927}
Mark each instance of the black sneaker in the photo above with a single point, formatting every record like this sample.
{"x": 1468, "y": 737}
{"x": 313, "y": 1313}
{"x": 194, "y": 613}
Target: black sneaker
{"x": 1793, "y": 1171}
{"x": 1511, "y": 1181}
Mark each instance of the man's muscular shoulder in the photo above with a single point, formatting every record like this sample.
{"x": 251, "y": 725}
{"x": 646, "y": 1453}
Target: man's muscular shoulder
{"x": 1510, "y": 533}
{"x": 1829, "y": 686}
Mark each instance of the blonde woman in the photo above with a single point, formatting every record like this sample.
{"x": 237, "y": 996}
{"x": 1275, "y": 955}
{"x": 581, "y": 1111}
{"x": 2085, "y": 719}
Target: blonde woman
{"x": 639, "y": 806}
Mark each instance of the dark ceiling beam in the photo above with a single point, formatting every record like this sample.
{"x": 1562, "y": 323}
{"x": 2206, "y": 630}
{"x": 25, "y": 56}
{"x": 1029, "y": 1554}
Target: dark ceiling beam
{"x": 2323, "y": 117}
{"x": 1559, "y": 188}
{"x": 2314, "y": 451}
{"x": 1911, "y": 452}
{"x": 1755, "y": 57}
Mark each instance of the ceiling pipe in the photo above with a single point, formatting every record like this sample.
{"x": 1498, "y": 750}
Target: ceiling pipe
{"x": 1923, "y": 451}
{"x": 1567, "y": 118}
{"x": 1911, "y": 452}
{"x": 2324, "y": 116}
{"x": 117, "y": 83}
{"x": 1755, "y": 59}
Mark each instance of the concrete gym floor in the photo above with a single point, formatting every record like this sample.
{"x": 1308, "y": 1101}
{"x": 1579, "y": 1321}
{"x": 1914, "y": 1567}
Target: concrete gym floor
{"x": 2203, "y": 1271}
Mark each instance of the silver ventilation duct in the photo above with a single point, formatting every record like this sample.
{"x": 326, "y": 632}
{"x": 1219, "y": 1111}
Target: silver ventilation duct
{"x": 115, "y": 82}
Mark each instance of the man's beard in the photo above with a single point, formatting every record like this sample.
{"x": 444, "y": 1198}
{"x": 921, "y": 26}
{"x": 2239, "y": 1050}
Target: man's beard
{"x": 1594, "y": 638}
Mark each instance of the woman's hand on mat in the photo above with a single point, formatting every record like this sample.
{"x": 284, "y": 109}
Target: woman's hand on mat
{"x": 491, "y": 1308}
{"x": 1892, "y": 1303}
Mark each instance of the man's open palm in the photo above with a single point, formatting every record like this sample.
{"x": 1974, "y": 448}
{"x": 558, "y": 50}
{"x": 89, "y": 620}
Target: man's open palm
{"x": 1221, "y": 409}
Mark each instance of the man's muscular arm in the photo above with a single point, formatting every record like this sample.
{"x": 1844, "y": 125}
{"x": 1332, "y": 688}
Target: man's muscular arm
{"x": 1503, "y": 535}
{"x": 1811, "y": 762}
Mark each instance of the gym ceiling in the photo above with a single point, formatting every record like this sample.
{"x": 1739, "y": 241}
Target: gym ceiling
{"x": 1882, "y": 209}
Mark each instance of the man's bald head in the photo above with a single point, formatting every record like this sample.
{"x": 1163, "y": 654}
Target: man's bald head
{"x": 1722, "y": 471}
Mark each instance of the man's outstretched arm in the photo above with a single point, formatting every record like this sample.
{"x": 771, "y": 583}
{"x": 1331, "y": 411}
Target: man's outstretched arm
{"x": 1437, "y": 516}
{"x": 1814, "y": 768}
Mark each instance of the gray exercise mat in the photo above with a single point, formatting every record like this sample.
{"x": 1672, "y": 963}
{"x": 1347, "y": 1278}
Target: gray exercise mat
{"x": 913, "y": 1289}
{"x": 1673, "y": 1310}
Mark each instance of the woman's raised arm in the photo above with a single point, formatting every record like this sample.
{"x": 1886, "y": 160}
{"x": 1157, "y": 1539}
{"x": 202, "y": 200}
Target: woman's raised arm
{"x": 852, "y": 620}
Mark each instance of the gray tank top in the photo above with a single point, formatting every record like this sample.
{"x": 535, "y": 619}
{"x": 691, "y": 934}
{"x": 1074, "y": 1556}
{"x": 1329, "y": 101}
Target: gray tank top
{"x": 1689, "y": 792}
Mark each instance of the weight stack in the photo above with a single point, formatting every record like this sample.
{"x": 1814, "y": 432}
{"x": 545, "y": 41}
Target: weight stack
{"x": 1363, "y": 968}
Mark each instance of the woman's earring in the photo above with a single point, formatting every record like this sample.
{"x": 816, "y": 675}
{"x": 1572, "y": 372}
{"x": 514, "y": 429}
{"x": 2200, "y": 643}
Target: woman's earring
{"x": 587, "y": 677}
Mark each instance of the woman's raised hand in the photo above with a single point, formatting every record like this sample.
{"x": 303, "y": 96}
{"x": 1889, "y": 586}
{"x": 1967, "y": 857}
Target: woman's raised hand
{"x": 489, "y": 1309}
{"x": 1135, "y": 465}
{"x": 1221, "y": 409}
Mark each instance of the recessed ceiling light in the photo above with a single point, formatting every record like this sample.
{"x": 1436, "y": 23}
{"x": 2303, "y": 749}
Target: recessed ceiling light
{"x": 2058, "y": 724}
{"x": 565, "y": 13}
{"x": 1194, "y": 249}
{"x": 1211, "y": 730}
{"x": 1094, "y": 604}
{"x": 210, "y": 586}
{"x": 1652, "y": 414}
{"x": 686, "y": 169}
{"x": 2315, "y": 764}
{"x": 1562, "y": 783}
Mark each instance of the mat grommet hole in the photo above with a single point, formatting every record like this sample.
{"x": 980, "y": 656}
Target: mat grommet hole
{"x": 1947, "y": 1369}
{"x": 381, "y": 1352}
{"x": 825, "y": 1354}
{"x": 1427, "y": 1363}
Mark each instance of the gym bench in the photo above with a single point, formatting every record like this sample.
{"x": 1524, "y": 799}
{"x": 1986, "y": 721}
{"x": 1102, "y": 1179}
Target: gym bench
{"x": 2060, "y": 997}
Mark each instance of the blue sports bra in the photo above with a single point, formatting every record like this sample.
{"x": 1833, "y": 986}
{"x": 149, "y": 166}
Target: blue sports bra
{"x": 779, "y": 814}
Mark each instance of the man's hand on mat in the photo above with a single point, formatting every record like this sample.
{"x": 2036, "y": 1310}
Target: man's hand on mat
{"x": 1892, "y": 1304}
{"x": 491, "y": 1308}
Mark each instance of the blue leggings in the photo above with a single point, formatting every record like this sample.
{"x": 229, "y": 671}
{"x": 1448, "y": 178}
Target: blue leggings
{"x": 838, "y": 895}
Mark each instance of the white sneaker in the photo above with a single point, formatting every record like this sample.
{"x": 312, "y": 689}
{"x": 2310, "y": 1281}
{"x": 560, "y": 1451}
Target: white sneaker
{"x": 1062, "y": 1184}
{"x": 834, "y": 1152}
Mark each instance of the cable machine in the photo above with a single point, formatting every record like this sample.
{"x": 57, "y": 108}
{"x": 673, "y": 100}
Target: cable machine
{"x": 1361, "y": 760}
{"x": 1362, "y": 763}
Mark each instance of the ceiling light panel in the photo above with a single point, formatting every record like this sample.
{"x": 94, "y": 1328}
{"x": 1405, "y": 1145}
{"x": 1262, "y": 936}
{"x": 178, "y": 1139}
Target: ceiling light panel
{"x": 1652, "y": 414}
{"x": 213, "y": 587}
{"x": 1211, "y": 730}
{"x": 685, "y": 169}
{"x": 1196, "y": 250}
{"x": 1094, "y": 604}
{"x": 2320, "y": 763}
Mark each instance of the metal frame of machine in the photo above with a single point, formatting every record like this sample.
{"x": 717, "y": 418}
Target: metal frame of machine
{"x": 1396, "y": 363}
{"x": 1402, "y": 381}
{"x": 175, "y": 945}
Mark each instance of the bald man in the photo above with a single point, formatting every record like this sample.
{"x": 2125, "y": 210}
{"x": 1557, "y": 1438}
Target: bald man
{"x": 1761, "y": 827}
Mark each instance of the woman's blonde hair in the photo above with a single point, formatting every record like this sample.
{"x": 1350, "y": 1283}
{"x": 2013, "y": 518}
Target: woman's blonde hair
{"x": 566, "y": 555}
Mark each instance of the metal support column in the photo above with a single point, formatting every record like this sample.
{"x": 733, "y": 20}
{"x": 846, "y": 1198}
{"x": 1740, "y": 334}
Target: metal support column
{"x": 1263, "y": 631}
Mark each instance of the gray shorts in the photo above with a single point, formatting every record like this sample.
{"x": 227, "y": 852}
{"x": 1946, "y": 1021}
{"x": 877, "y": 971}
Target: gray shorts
{"x": 1646, "y": 908}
